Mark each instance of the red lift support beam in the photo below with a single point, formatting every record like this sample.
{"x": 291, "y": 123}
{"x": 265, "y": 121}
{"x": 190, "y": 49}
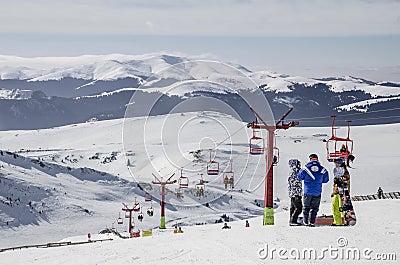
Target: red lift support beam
{"x": 269, "y": 158}
{"x": 163, "y": 192}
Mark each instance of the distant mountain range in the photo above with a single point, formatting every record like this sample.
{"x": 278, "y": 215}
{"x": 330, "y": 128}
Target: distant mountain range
{"x": 53, "y": 91}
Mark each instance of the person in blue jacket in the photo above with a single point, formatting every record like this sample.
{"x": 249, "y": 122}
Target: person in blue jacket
{"x": 313, "y": 175}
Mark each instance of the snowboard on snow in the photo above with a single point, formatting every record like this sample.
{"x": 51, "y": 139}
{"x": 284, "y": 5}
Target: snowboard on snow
{"x": 323, "y": 220}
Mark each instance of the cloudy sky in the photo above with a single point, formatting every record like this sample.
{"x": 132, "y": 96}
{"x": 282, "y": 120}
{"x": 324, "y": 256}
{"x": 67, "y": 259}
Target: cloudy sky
{"x": 307, "y": 37}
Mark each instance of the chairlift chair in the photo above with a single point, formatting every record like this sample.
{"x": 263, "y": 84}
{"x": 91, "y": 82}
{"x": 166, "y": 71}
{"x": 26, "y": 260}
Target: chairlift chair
{"x": 275, "y": 159}
{"x": 136, "y": 206}
{"x": 339, "y": 147}
{"x": 200, "y": 186}
{"x": 212, "y": 166}
{"x": 120, "y": 221}
{"x": 150, "y": 211}
{"x": 257, "y": 145}
{"x": 148, "y": 197}
{"x": 232, "y": 182}
{"x": 275, "y": 154}
{"x": 183, "y": 181}
{"x": 229, "y": 176}
{"x": 140, "y": 216}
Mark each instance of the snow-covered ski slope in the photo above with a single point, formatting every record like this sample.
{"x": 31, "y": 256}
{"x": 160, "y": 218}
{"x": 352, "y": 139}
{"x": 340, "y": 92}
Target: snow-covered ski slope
{"x": 239, "y": 245}
{"x": 84, "y": 179}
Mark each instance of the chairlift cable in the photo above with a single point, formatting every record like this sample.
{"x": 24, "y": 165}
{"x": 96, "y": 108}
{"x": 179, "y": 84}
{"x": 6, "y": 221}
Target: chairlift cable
{"x": 375, "y": 118}
{"x": 357, "y": 119}
{"x": 350, "y": 114}
{"x": 316, "y": 119}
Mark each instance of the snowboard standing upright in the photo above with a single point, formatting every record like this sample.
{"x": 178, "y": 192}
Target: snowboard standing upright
{"x": 348, "y": 211}
{"x": 349, "y": 215}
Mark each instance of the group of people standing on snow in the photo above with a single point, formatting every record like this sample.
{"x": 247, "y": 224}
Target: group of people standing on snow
{"x": 313, "y": 175}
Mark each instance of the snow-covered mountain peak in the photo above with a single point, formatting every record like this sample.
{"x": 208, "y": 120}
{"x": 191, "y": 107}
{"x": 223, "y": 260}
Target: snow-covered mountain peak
{"x": 81, "y": 83}
{"x": 113, "y": 67}
{"x": 89, "y": 67}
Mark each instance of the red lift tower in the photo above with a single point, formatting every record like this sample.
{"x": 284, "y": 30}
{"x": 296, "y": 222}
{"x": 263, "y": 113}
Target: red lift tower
{"x": 269, "y": 157}
{"x": 129, "y": 211}
{"x": 163, "y": 192}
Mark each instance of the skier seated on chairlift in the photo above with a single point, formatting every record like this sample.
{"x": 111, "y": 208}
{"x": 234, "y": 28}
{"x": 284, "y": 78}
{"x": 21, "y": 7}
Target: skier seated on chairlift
{"x": 350, "y": 157}
{"x": 343, "y": 149}
{"x": 226, "y": 226}
{"x": 231, "y": 182}
{"x": 275, "y": 160}
{"x": 140, "y": 217}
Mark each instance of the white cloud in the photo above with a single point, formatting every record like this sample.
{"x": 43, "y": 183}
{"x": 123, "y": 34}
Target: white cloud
{"x": 205, "y": 17}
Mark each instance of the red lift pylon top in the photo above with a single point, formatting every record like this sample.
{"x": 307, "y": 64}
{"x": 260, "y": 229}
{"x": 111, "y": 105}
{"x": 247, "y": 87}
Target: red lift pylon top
{"x": 269, "y": 157}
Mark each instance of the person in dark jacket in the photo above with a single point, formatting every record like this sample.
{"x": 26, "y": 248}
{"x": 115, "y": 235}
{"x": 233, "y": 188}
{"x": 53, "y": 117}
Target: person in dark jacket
{"x": 295, "y": 189}
{"x": 313, "y": 175}
{"x": 226, "y": 226}
{"x": 380, "y": 193}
